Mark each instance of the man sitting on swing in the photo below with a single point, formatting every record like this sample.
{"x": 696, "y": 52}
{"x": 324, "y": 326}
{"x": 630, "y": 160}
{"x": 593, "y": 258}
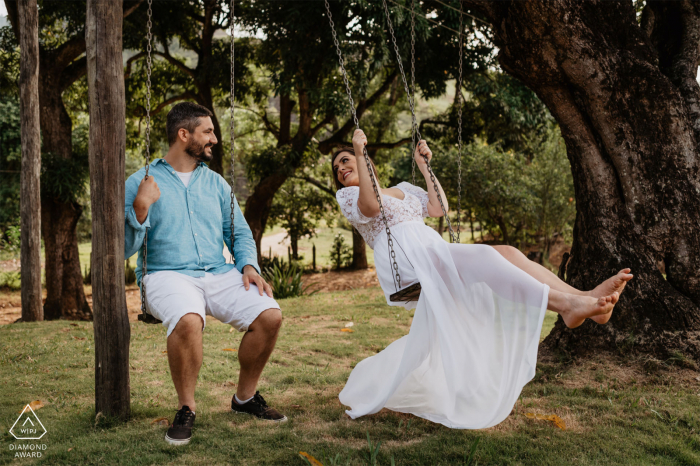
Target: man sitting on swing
{"x": 188, "y": 277}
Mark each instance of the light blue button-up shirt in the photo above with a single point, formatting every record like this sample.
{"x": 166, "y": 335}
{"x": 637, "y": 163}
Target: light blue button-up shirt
{"x": 187, "y": 226}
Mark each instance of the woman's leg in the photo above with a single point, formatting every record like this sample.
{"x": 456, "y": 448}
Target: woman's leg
{"x": 616, "y": 283}
{"x": 535, "y": 270}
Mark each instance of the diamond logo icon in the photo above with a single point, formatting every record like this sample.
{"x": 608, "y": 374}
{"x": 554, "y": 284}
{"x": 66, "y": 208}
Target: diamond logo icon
{"x": 28, "y": 426}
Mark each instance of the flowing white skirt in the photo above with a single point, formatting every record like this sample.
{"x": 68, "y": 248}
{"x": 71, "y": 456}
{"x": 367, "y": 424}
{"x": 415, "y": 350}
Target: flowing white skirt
{"x": 473, "y": 342}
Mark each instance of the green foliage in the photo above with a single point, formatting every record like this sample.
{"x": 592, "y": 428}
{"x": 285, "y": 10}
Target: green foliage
{"x": 299, "y": 206}
{"x": 10, "y": 161}
{"x": 67, "y": 179}
{"x": 340, "y": 253}
{"x": 10, "y": 243}
{"x": 87, "y": 275}
{"x": 286, "y": 281}
{"x": 129, "y": 274}
{"x": 10, "y": 281}
{"x": 519, "y": 200}
{"x": 9, "y": 62}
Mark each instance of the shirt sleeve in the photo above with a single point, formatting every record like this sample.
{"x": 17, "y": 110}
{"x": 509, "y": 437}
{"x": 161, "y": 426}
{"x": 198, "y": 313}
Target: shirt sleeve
{"x": 418, "y": 192}
{"x": 244, "y": 250}
{"x": 347, "y": 200}
{"x": 134, "y": 232}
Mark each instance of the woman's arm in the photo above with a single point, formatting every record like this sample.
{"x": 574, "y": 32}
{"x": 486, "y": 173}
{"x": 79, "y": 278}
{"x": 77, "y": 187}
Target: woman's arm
{"x": 434, "y": 209}
{"x": 367, "y": 202}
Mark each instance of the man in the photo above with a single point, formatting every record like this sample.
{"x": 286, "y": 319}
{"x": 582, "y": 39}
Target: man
{"x": 186, "y": 208}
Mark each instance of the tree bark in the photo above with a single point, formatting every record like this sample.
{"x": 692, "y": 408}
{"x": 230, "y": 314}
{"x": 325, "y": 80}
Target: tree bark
{"x": 30, "y": 208}
{"x": 359, "y": 251}
{"x": 630, "y": 135}
{"x": 107, "y": 163}
{"x": 65, "y": 295}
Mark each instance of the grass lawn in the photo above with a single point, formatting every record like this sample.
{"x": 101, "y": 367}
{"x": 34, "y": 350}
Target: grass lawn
{"x": 614, "y": 414}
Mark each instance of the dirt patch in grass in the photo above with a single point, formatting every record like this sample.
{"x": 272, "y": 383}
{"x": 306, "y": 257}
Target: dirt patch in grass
{"x": 342, "y": 281}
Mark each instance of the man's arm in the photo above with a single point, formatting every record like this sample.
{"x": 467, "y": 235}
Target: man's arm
{"x": 137, "y": 202}
{"x": 244, "y": 250}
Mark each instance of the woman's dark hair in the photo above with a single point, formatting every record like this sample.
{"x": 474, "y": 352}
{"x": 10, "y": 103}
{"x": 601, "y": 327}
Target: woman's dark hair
{"x": 351, "y": 150}
{"x": 184, "y": 115}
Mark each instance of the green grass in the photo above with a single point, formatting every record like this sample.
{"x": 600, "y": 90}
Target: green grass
{"x": 612, "y": 418}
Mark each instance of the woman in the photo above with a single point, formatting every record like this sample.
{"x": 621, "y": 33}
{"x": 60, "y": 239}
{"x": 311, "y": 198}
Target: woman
{"x": 474, "y": 337}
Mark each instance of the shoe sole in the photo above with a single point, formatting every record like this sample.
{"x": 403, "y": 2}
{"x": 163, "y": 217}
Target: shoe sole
{"x": 278, "y": 421}
{"x": 177, "y": 442}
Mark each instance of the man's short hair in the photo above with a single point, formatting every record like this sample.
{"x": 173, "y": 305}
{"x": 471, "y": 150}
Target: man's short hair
{"x": 184, "y": 115}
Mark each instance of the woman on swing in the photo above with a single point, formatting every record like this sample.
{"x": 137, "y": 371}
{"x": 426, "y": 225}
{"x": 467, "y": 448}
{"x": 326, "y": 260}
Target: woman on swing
{"x": 476, "y": 329}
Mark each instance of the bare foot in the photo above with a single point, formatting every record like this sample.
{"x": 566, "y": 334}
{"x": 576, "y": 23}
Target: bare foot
{"x": 580, "y": 308}
{"x": 614, "y": 284}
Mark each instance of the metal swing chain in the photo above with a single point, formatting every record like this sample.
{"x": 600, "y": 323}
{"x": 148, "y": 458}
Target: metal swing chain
{"x": 458, "y": 89}
{"x": 232, "y": 133}
{"x": 413, "y": 89}
{"x": 394, "y": 265}
{"x": 149, "y": 65}
{"x": 413, "y": 114}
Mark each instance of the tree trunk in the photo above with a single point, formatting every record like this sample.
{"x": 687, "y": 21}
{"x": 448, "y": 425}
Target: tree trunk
{"x": 107, "y": 158}
{"x": 630, "y": 136}
{"x": 30, "y": 208}
{"x": 359, "y": 251}
{"x": 65, "y": 296}
{"x": 294, "y": 241}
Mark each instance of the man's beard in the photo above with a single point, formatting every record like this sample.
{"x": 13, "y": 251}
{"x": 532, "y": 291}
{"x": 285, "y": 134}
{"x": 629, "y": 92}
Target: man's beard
{"x": 198, "y": 151}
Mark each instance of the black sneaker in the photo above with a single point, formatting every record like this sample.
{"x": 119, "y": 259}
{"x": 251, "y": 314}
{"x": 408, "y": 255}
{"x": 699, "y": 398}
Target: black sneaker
{"x": 258, "y": 408}
{"x": 180, "y": 431}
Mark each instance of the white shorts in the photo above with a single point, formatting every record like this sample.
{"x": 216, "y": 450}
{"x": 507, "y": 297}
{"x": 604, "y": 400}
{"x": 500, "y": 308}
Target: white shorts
{"x": 171, "y": 295}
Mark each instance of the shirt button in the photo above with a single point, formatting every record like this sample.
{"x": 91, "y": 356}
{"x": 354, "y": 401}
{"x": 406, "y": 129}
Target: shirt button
{"x": 191, "y": 212}
{"x": 195, "y": 234}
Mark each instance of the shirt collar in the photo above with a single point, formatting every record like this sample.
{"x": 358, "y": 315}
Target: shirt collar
{"x": 161, "y": 160}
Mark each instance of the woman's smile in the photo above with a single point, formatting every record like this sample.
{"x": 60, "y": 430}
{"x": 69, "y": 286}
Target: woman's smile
{"x": 345, "y": 175}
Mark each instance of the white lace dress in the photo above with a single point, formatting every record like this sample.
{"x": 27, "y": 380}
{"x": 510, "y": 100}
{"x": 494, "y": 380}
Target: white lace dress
{"x": 473, "y": 342}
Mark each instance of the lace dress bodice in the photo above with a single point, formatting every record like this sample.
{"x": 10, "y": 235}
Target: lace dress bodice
{"x": 413, "y": 207}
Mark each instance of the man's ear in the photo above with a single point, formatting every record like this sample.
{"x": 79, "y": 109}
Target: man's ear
{"x": 183, "y": 134}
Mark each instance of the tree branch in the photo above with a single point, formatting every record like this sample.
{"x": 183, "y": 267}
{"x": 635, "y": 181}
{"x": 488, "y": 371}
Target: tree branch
{"x": 174, "y": 61}
{"x": 76, "y": 70}
{"x": 316, "y": 183}
{"x": 130, "y": 61}
{"x": 324, "y": 122}
{"x": 12, "y": 14}
{"x": 337, "y": 137}
{"x": 132, "y": 8}
{"x": 269, "y": 125}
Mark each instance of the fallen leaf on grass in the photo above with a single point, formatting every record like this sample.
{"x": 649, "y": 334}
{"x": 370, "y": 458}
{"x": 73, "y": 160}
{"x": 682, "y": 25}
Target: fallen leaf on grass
{"x": 311, "y": 459}
{"x": 77, "y": 338}
{"x": 556, "y": 420}
{"x": 70, "y": 448}
{"x": 295, "y": 406}
{"x": 165, "y": 351}
{"x": 230, "y": 330}
{"x": 229, "y": 349}
{"x": 161, "y": 421}
{"x": 74, "y": 325}
{"x": 36, "y": 404}
{"x": 349, "y": 330}
{"x": 349, "y": 324}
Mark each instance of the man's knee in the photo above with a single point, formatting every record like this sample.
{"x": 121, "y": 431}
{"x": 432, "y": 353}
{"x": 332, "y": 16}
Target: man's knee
{"x": 188, "y": 325}
{"x": 269, "y": 321}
